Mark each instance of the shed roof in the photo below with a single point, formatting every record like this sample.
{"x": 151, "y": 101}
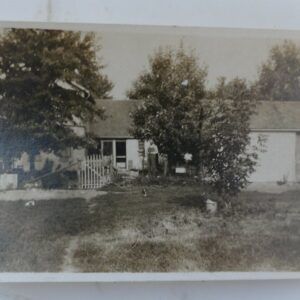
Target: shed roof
{"x": 277, "y": 115}
{"x": 271, "y": 116}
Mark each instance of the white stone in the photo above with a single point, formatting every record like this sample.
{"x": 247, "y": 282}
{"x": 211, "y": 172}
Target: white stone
{"x": 8, "y": 181}
{"x": 211, "y": 206}
{"x": 185, "y": 82}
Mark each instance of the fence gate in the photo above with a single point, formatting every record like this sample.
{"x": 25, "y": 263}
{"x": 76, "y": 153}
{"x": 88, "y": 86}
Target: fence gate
{"x": 95, "y": 172}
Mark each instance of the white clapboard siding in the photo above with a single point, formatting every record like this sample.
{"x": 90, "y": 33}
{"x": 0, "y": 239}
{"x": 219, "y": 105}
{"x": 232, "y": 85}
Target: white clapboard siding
{"x": 94, "y": 172}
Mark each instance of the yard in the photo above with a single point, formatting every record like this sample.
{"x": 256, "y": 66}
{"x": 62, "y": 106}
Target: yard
{"x": 168, "y": 230}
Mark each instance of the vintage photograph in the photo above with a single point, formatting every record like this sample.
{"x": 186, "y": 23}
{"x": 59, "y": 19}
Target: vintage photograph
{"x": 149, "y": 149}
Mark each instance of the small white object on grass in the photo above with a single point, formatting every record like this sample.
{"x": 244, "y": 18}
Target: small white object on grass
{"x": 211, "y": 206}
{"x": 30, "y": 203}
{"x": 185, "y": 82}
{"x": 144, "y": 192}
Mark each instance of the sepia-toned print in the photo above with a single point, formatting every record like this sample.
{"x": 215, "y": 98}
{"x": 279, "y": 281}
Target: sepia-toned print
{"x": 149, "y": 149}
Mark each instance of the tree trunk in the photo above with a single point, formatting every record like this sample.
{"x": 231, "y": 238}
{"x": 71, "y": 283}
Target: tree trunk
{"x": 171, "y": 164}
{"x": 31, "y": 162}
{"x": 166, "y": 167}
{"x": 198, "y": 164}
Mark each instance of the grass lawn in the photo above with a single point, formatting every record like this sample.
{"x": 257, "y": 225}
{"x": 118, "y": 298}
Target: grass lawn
{"x": 168, "y": 230}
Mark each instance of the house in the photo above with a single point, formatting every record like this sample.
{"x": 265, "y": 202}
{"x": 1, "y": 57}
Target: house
{"x": 114, "y": 137}
{"x": 68, "y": 159}
{"x": 277, "y": 122}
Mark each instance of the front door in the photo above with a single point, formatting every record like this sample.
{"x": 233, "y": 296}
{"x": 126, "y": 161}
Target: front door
{"x": 121, "y": 154}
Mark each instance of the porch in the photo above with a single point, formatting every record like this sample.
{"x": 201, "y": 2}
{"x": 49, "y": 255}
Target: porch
{"x": 126, "y": 154}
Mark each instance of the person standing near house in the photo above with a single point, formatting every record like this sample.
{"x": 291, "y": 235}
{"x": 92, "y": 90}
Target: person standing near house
{"x": 152, "y": 158}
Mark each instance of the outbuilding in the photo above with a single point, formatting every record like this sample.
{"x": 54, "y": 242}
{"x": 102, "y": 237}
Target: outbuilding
{"x": 278, "y": 123}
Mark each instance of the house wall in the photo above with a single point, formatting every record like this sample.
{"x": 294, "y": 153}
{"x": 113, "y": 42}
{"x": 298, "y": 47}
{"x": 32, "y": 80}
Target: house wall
{"x": 70, "y": 157}
{"x": 78, "y": 154}
{"x": 134, "y": 160}
{"x": 79, "y": 130}
{"x": 279, "y": 158}
{"x": 41, "y": 159}
{"x": 39, "y": 162}
{"x": 133, "y": 157}
{"x": 22, "y": 162}
{"x": 278, "y": 162}
{"x": 297, "y": 155}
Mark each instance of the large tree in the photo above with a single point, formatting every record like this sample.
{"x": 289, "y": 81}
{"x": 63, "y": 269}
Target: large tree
{"x": 49, "y": 80}
{"x": 279, "y": 76}
{"x": 172, "y": 86}
{"x": 180, "y": 120}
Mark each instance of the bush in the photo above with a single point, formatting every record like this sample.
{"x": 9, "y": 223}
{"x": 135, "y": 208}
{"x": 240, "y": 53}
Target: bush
{"x": 48, "y": 177}
{"x": 64, "y": 179}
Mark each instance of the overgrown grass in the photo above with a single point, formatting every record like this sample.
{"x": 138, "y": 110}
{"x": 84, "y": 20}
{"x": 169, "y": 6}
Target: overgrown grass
{"x": 168, "y": 230}
{"x": 204, "y": 254}
{"x": 33, "y": 239}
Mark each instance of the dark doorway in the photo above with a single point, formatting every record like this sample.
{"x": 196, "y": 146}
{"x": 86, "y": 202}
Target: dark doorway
{"x": 107, "y": 148}
{"x": 121, "y": 154}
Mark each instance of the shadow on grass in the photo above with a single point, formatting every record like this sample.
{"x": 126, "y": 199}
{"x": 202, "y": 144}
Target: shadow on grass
{"x": 190, "y": 201}
{"x": 67, "y": 217}
{"x": 219, "y": 253}
{"x": 144, "y": 256}
{"x": 32, "y": 239}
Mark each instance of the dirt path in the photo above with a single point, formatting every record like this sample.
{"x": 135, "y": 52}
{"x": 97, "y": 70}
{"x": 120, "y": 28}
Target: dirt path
{"x": 67, "y": 266}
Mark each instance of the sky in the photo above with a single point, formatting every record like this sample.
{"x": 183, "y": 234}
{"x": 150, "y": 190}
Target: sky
{"x": 271, "y": 14}
{"x": 225, "y": 52}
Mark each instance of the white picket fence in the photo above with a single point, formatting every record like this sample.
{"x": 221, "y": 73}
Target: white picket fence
{"x": 95, "y": 172}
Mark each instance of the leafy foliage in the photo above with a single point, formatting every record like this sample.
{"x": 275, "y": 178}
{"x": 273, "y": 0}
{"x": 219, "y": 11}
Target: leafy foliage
{"x": 279, "y": 76}
{"x": 49, "y": 80}
{"x": 235, "y": 89}
{"x": 179, "y": 120}
{"x": 172, "y": 86}
{"x": 226, "y": 156}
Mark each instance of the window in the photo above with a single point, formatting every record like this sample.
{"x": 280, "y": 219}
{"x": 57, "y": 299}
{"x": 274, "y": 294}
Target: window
{"x": 107, "y": 148}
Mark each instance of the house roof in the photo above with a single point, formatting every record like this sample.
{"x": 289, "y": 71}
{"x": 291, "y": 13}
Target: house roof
{"x": 277, "y": 116}
{"x": 117, "y": 121}
{"x": 270, "y": 116}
